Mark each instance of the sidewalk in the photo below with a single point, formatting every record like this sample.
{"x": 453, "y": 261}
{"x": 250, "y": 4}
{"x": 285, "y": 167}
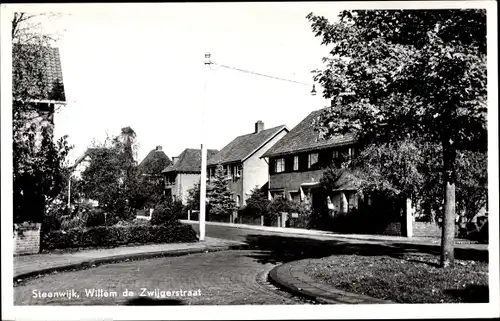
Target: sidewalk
{"x": 30, "y": 265}
{"x": 291, "y": 277}
{"x": 360, "y": 237}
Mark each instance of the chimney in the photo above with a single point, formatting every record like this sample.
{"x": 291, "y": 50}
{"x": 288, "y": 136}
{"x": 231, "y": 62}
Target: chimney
{"x": 259, "y": 126}
{"x": 158, "y": 148}
{"x": 174, "y": 160}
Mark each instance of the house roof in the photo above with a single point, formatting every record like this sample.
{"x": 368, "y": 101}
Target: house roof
{"x": 303, "y": 138}
{"x": 243, "y": 146}
{"x": 89, "y": 152}
{"x": 189, "y": 161}
{"x": 52, "y": 69}
{"x": 154, "y": 162}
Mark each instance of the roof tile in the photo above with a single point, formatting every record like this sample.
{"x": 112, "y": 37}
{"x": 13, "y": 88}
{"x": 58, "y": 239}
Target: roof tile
{"x": 189, "y": 161}
{"x": 303, "y": 138}
{"x": 243, "y": 146}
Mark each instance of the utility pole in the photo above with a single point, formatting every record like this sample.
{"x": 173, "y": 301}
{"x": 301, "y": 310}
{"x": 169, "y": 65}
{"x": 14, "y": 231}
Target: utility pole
{"x": 203, "y": 180}
{"x": 69, "y": 191}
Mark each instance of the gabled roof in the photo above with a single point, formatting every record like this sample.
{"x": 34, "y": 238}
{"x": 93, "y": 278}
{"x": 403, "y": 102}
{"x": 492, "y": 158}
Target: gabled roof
{"x": 189, "y": 161}
{"x": 52, "y": 73}
{"x": 244, "y": 146}
{"x": 154, "y": 162}
{"x": 303, "y": 138}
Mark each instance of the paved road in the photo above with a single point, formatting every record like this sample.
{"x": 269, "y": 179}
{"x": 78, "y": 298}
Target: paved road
{"x": 279, "y": 247}
{"x": 222, "y": 278}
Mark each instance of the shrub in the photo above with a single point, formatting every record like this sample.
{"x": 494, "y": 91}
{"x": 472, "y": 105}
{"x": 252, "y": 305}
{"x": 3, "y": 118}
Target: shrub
{"x": 112, "y": 236}
{"x": 68, "y": 223}
{"x": 96, "y": 217}
{"x": 167, "y": 212}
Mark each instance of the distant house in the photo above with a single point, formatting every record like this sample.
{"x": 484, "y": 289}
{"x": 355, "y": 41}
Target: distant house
{"x": 183, "y": 173}
{"x": 81, "y": 164}
{"x": 242, "y": 162}
{"x": 296, "y": 163}
{"x": 154, "y": 162}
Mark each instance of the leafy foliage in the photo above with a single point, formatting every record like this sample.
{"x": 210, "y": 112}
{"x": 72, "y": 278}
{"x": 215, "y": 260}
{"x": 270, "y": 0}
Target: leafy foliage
{"x": 258, "y": 203}
{"x": 38, "y": 161}
{"x": 394, "y": 75}
{"x": 193, "y": 198}
{"x": 219, "y": 195}
{"x": 113, "y": 236}
{"x": 167, "y": 212}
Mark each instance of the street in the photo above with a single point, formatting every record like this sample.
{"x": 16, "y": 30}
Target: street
{"x": 222, "y": 278}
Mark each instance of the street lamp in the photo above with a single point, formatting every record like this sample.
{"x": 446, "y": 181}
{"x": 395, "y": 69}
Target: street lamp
{"x": 203, "y": 181}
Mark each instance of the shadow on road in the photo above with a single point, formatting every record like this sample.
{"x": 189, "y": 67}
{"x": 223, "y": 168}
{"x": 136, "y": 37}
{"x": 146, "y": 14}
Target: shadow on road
{"x": 281, "y": 249}
{"x": 471, "y": 294}
{"x": 150, "y": 301}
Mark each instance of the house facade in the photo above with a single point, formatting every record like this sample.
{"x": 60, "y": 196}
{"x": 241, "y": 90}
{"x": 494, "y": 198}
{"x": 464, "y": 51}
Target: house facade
{"x": 184, "y": 173}
{"x": 241, "y": 159}
{"x": 297, "y": 161}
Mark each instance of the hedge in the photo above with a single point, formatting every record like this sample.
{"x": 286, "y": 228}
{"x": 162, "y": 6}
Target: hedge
{"x": 113, "y": 236}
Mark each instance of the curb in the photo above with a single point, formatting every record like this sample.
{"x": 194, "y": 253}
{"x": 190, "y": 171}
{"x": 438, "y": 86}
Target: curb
{"x": 284, "y": 276}
{"x": 89, "y": 263}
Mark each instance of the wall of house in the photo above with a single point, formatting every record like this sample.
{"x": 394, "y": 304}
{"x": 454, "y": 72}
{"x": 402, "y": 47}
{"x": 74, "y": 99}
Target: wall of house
{"x": 256, "y": 169}
{"x": 292, "y": 181}
{"x": 236, "y": 187}
{"x": 27, "y": 239}
{"x": 184, "y": 182}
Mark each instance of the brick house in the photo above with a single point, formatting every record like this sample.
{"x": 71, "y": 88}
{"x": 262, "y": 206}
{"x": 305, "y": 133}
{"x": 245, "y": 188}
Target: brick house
{"x": 296, "y": 163}
{"x": 242, "y": 162}
{"x": 183, "y": 173}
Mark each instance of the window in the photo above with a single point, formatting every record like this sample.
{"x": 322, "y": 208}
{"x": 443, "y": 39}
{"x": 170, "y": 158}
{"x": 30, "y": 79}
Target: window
{"x": 279, "y": 165}
{"x": 312, "y": 159}
{"x": 335, "y": 154}
{"x": 295, "y": 196}
{"x": 295, "y": 163}
{"x": 238, "y": 170}
{"x": 352, "y": 151}
{"x": 238, "y": 200}
{"x": 277, "y": 194}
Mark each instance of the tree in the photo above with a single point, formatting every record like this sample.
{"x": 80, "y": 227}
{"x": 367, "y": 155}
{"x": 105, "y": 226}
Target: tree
{"x": 38, "y": 160}
{"x": 258, "y": 203}
{"x": 103, "y": 180}
{"x": 193, "y": 198}
{"x": 219, "y": 196}
{"x": 399, "y": 74}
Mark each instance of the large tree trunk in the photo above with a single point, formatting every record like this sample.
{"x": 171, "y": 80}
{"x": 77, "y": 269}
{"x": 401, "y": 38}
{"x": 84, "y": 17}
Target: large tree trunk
{"x": 448, "y": 228}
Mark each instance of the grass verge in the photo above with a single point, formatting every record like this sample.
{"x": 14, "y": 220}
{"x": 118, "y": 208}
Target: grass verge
{"x": 411, "y": 278}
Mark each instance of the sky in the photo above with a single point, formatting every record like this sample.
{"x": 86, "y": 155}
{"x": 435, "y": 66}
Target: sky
{"x": 143, "y": 66}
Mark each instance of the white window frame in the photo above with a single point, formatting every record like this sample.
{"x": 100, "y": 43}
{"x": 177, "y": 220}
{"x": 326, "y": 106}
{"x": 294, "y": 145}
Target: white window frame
{"x": 309, "y": 159}
{"x": 295, "y": 163}
{"x": 279, "y": 161}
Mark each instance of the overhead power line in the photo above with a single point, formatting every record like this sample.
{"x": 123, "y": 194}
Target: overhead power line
{"x": 260, "y": 74}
